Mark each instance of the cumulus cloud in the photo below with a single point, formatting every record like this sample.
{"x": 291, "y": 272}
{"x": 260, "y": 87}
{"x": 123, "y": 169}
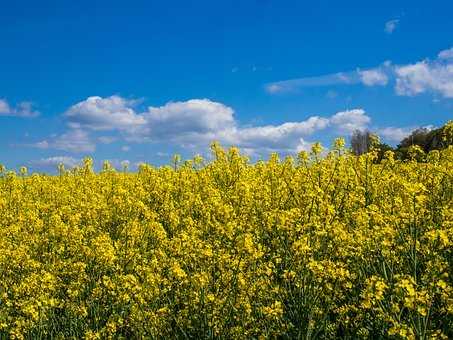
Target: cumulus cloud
{"x": 303, "y": 145}
{"x": 101, "y": 114}
{"x": 394, "y": 134}
{"x": 287, "y": 137}
{"x": 350, "y": 120}
{"x": 192, "y": 125}
{"x": 391, "y": 25}
{"x": 170, "y": 121}
{"x": 425, "y": 76}
{"x": 76, "y": 140}
{"x": 22, "y": 110}
{"x": 195, "y": 123}
{"x": 215, "y": 121}
{"x": 189, "y": 124}
{"x": 196, "y": 116}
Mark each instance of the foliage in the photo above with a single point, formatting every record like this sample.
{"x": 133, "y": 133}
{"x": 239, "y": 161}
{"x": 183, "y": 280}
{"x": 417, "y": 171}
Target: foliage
{"x": 363, "y": 142}
{"x": 381, "y": 151}
{"x": 428, "y": 140}
{"x": 297, "y": 248}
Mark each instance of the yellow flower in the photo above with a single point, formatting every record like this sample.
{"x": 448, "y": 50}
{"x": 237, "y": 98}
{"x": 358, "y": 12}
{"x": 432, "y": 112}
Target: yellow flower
{"x": 331, "y": 245}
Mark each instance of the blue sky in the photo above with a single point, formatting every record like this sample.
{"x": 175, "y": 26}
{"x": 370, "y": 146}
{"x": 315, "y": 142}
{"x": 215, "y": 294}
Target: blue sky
{"x": 141, "y": 80}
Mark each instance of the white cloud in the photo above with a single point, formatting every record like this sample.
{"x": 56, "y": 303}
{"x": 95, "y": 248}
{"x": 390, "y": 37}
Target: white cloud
{"x": 274, "y": 88}
{"x": 4, "y": 107}
{"x": 368, "y": 77}
{"x": 197, "y": 122}
{"x": 221, "y": 125}
{"x": 303, "y": 145}
{"x": 434, "y": 76}
{"x": 394, "y": 134}
{"x": 172, "y": 121}
{"x": 96, "y": 113}
{"x": 350, "y": 120}
{"x": 391, "y": 25}
{"x": 286, "y": 137}
{"x": 52, "y": 163}
{"x": 425, "y": 76}
{"x": 192, "y": 124}
{"x": 76, "y": 140}
{"x": 178, "y": 119}
{"x": 162, "y": 154}
{"x": 22, "y": 110}
{"x": 446, "y": 54}
{"x": 324, "y": 80}
{"x": 107, "y": 139}
{"x": 373, "y": 77}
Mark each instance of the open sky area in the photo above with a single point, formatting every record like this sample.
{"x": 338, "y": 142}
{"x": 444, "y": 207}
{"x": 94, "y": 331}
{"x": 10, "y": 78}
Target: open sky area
{"x": 139, "y": 81}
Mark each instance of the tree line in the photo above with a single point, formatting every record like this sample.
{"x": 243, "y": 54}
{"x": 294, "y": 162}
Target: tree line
{"x": 420, "y": 139}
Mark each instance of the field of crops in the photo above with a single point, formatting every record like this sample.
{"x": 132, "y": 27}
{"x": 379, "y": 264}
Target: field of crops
{"x": 310, "y": 247}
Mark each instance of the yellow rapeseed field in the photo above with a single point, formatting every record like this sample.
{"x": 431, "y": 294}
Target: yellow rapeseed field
{"x": 308, "y": 247}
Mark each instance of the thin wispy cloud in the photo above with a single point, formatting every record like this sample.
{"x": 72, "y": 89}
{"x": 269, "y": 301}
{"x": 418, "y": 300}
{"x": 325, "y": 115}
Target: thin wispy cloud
{"x": 331, "y": 94}
{"x": 323, "y": 80}
{"x": 22, "y": 110}
{"x": 74, "y": 140}
{"x": 391, "y": 25}
{"x": 51, "y": 163}
{"x": 107, "y": 139}
{"x": 373, "y": 77}
{"x": 426, "y": 76}
{"x": 446, "y": 54}
{"x": 368, "y": 77}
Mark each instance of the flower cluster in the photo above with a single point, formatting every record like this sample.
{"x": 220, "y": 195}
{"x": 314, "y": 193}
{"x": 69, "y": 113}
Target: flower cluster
{"x": 307, "y": 247}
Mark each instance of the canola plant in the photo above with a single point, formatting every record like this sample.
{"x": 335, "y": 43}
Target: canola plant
{"x": 307, "y": 247}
